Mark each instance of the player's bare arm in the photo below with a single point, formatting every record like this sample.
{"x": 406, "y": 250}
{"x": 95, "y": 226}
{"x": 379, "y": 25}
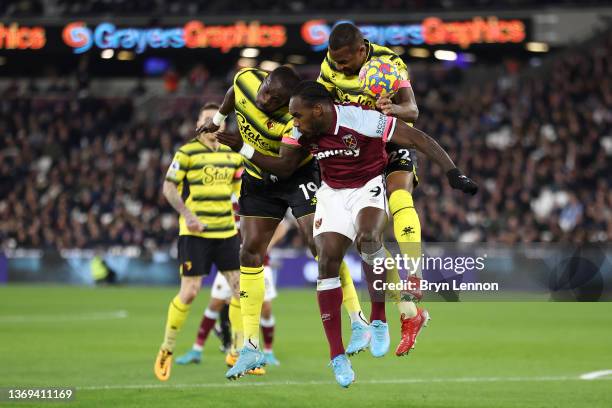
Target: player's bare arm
{"x": 402, "y": 106}
{"x": 283, "y": 166}
{"x": 213, "y": 124}
{"x": 174, "y": 198}
{"x": 411, "y": 137}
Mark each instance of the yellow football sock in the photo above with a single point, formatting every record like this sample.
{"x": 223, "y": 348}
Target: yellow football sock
{"x": 252, "y": 290}
{"x": 406, "y": 224}
{"x": 235, "y": 318}
{"x": 177, "y": 314}
{"x": 407, "y": 230}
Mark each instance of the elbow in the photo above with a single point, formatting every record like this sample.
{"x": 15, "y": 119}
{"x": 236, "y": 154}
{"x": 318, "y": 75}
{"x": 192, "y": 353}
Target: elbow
{"x": 413, "y": 114}
{"x": 166, "y": 190}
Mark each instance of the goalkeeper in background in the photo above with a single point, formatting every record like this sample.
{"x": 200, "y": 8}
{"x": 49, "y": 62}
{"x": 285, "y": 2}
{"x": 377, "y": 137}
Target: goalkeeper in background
{"x": 199, "y": 185}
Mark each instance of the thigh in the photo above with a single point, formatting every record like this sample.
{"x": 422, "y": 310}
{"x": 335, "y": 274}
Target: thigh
{"x": 256, "y": 234}
{"x": 226, "y": 254}
{"x": 194, "y": 255}
{"x": 300, "y": 191}
{"x": 331, "y": 247}
{"x": 332, "y": 214}
{"x": 261, "y": 200}
{"x": 401, "y": 168}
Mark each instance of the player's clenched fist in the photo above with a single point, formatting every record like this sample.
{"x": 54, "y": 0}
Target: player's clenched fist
{"x": 385, "y": 105}
{"x": 460, "y": 181}
{"x": 207, "y": 127}
{"x": 194, "y": 224}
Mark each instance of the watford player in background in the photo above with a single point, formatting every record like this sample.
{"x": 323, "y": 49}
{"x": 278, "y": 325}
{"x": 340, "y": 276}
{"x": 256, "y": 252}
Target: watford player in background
{"x": 199, "y": 185}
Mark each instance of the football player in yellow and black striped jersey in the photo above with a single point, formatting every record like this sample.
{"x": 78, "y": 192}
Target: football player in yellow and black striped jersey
{"x": 199, "y": 184}
{"x": 348, "y": 52}
{"x": 261, "y": 100}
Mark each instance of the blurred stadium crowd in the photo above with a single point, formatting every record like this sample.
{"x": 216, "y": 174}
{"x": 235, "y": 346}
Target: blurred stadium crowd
{"x": 22, "y": 8}
{"x": 85, "y": 172}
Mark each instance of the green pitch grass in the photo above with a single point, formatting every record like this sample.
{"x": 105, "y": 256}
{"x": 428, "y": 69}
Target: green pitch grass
{"x": 472, "y": 354}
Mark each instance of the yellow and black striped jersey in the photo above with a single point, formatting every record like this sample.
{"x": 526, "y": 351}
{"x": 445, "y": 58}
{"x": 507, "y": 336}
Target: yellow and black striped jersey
{"x": 347, "y": 88}
{"x": 206, "y": 180}
{"x": 261, "y": 130}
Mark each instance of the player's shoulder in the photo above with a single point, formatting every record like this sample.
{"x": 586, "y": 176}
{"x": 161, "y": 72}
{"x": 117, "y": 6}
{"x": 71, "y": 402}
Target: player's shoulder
{"x": 250, "y": 73}
{"x": 382, "y": 51}
{"x": 351, "y": 112}
{"x": 357, "y": 117}
{"x": 191, "y": 147}
{"x": 385, "y": 54}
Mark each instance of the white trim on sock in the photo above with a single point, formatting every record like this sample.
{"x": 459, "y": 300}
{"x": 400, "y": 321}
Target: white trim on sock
{"x": 211, "y": 314}
{"x": 358, "y": 317}
{"x": 370, "y": 258}
{"x": 253, "y": 344}
{"x": 267, "y": 322}
{"x": 197, "y": 347}
{"x": 328, "y": 284}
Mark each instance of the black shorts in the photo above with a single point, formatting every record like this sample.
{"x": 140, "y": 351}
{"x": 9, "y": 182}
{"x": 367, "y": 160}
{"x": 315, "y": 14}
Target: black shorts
{"x": 401, "y": 159}
{"x": 271, "y": 200}
{"x": 196, "y": 255}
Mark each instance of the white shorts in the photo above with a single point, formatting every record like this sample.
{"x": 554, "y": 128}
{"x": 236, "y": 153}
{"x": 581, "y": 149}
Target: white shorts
{"x": 337, "y": 209}
{"x": 221, "y": 289}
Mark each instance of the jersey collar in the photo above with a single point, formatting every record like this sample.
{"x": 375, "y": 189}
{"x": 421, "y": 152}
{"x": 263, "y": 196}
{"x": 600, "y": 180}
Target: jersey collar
{"x": 336, "y": 123}
{"x": 370, "y": 50}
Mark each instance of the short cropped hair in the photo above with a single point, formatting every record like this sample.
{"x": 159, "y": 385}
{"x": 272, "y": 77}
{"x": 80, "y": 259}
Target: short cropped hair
{"x": 345, "y": 35}
{"x": 312, "y": 92}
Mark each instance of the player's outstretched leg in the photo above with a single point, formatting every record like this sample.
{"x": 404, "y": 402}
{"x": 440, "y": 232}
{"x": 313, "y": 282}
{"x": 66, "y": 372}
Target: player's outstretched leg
{"x": 331, "y": 247}
{"x": 360, "y": 332}
{"x": 410, "y": 330}
{"x": 407, "y": 230}
{"x": 178, "y": 311}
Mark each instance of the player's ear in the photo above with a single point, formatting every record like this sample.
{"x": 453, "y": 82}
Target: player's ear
{"x": 317, "y": 109}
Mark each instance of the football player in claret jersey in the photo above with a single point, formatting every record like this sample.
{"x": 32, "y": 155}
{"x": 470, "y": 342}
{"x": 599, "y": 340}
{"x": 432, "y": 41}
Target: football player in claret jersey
{"x": 348, "y": 52}
{"x": 261, "y": 100}
{"x": 199, "y": 185}
{"x": 349, "y": 143}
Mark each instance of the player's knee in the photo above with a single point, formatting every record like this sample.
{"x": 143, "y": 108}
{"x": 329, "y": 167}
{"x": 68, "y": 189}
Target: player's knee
{"x": 368, "y": 241}
{"x": 250, "y": 256}
{"x": 329, "y": 266}
{"x": 189, "y": 292}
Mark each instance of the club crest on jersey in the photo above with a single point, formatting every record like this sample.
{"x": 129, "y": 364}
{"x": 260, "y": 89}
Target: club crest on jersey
{"x": 350, "y": 141}
{"x": 270, "y": 124}
{"x": 318, "y": 223}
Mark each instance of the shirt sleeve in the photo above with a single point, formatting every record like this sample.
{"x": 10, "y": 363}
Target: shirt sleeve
{"x": 323, "y": 78}
{"x": 291, "y": 136}
{"x": 370, "y": 123}
{"x": 178, "y": 168}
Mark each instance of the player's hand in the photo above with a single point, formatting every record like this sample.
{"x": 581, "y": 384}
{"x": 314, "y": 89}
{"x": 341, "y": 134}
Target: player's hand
{"x": 194, "y": 224}
{"x": 207, "y": 127}
{"x": 460, "y": 181}
{"x": 233, "y": 141}
{"x": 385, "y": 105}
